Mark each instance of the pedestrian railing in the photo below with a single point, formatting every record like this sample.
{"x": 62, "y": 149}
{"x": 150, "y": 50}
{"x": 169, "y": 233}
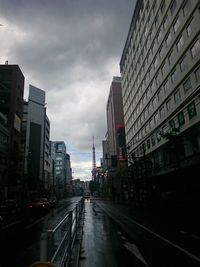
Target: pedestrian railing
{"x": 56, "y": 244}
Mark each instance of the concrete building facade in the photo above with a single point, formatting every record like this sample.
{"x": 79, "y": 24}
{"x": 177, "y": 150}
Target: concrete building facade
{"x": 37, "y": 139}
{"x": 11, "y": 106}
{"x": 160, "y": 69}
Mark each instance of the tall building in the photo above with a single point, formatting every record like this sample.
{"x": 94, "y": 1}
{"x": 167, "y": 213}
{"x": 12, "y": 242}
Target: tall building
{"x": 59, "y": 151}
{"x": 160, "y": 69}
{"x": 114, "y": 149}
{"x": 37, "y": 147}
{"x": 115, "y": 121}
{"x": 11, "y": 106}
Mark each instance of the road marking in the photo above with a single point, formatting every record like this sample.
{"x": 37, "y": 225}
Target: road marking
{"x": 194, "y": 236}
{"x": 133, "y": 249}
{"x": 165, "y": 240}
{"x": 162, "y": 238}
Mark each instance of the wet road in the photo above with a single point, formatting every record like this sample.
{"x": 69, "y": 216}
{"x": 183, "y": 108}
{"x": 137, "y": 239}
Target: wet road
{"x": 20, "y": 243}
{"x": 154, "y": 237}
{"x": 104, "y": 243}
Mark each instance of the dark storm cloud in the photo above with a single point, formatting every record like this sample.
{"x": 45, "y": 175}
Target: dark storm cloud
{"x": 71, "y": 49}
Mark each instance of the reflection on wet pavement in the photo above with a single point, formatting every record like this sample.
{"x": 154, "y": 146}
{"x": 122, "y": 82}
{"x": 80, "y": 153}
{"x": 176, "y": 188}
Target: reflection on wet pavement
{"x": 103, "y": 242}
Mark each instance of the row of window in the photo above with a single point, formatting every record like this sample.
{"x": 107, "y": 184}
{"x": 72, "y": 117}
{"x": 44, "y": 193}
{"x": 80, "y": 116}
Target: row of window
{"x": 173, "y": 124}
{"x": 132, "y": 94}
{"x": 138, "y": 116}
{"x": 139, "y": 45}
{"x": 133, "y": 76}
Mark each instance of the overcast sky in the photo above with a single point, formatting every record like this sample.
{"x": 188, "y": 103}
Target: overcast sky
{"x": 71, "y": 49}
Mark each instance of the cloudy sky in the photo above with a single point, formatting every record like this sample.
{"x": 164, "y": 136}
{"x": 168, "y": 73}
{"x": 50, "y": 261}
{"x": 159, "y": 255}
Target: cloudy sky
{"x": 71, "y": 49}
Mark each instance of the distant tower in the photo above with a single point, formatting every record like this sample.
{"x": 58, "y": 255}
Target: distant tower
{"x": 93, "y": 162}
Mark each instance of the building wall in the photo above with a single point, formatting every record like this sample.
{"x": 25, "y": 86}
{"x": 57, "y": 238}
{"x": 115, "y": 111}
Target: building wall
{"x": 114, "y": 110}
{"x": 160, "y": 68}
{"x": 11, "y": 97}
{"x": 35, "y": 138}
{"x": 60, "y": 168}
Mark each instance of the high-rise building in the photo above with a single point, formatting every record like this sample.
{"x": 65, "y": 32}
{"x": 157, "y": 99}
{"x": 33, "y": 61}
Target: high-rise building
{"x": 160, "y": 69}
{"x": 11, "y": 106}
{"x": 37, "y": 140}
{"x": 115, "y": 121}
{"x": 59, "y": 151}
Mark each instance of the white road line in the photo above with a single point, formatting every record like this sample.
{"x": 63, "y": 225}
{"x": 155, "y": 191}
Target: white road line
{"x": 165, "y": 240}
{"x": 133, "y": 249}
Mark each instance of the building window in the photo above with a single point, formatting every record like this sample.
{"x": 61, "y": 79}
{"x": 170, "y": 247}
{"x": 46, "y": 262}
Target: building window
{"x": 180, "y": 43}
{"x": 181, "y": 119}
{"x": 170, "y": 57}
{"x": 197, "y": 74}
{"x": 183, "y": 63}
{"x": 153, "y": 141}
{"x": 165, "y": 23}
{"x": 156, "y": 62}
{"x": 177, "y": 96}
{"x": 168, "y": 39}
{"x": 173, "y": 76}
{"x": 173, "y": 6}
{"x": 195, "y": 49}
{"x": 176, "y": 24}
{"x": 162, "y": 112}
{"x": 148, "y": 144}
{"x": 162, "y": 7}
{"x": 169, "y": 105}
{"x": 156, "y": 20}
{"x": 187, "y": 85}
{"x": 172, "y": 124}
{"x": 186, "y": 7}
{"x": 189, "y": 30}
{"x": 191, "y": 110}
{"x": 158, "y": 136}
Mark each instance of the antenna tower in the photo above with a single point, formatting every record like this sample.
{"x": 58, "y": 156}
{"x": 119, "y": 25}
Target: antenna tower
{"x": 93, "y": 161}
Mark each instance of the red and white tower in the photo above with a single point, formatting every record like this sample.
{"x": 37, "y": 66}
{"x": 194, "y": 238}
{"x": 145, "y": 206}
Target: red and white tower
{"x": 93, "y": 162}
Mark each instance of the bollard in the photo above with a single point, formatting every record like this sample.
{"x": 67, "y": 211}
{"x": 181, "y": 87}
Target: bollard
{"x": 43, "y": 246}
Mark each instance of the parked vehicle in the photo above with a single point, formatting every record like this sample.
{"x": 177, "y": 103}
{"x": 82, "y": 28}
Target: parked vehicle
{"x": 39, "y": 205}
{"x": 53, "y": 201}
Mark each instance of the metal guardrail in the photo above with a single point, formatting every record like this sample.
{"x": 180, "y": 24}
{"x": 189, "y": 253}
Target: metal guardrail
{"x": 56, "y": 244}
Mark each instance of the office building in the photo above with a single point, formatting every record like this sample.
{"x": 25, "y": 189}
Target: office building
{"x": 11, "y": 105}
{"x": 160, "y": 69}
{"x": 37, "y": 140}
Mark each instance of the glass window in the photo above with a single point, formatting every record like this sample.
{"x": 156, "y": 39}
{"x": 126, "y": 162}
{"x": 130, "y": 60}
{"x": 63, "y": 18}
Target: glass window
{"x": 172, "y": 124}
{"x": 183, "y": 63}
{"x": 191, "y": 110}
{"x": 153, "y": 141}
{"x": 189, "y": 30}
{"x": 169, "y": 105}
{"x": 165, "y": 23}
{"x": 162, "y": 7}
{"x": 187, "y": 85}
{"x": 162, "y": 112}
{"x": 181, "y": 119}
{"x": 148, "y": 144}
{"x": 170, "y": 57}
{"x": 173, "y": 7}
{"x": 195, "y": 48}
{"x": 186, "y": 7}
{"x": 173, "y": 76}
{"x": 177, "y": 96}
{"x": 180, "y": 43}
{"x": 197, "y": 74}
{"x": 168, "y": 39}
{"x": 176, "y": 24}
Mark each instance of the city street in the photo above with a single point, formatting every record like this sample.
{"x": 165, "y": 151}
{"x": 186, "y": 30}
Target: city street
{"x": 157, "y": 239}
